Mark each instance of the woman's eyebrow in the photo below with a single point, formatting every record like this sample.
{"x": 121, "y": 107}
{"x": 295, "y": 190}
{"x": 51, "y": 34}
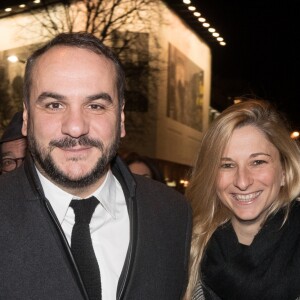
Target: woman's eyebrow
{"x": 226, "y": 158}
{"x": 260, "y": 153}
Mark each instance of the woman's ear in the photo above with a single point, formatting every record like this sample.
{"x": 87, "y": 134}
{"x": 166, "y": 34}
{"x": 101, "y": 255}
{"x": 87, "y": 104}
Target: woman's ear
{"x": 283, "y": 179}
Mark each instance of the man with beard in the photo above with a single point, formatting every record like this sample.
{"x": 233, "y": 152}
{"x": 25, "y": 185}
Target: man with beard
{"x": 139, "y": 234}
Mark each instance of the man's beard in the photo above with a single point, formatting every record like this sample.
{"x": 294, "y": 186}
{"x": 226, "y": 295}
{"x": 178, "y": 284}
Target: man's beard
{"x": 45, "y": 161}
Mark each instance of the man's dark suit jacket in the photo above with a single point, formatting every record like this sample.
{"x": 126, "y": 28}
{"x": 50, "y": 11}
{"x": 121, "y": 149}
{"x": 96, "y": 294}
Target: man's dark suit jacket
{"x": 35, "y": 258}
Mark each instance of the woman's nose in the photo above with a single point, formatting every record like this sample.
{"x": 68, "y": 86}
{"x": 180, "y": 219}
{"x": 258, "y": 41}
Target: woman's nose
{"x": 243, "y": 178}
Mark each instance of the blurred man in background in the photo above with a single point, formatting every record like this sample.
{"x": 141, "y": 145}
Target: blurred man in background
{"x": 13, "y": 145}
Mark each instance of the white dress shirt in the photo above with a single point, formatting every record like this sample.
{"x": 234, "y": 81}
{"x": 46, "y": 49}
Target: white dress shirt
{"x": 109, "y": 227}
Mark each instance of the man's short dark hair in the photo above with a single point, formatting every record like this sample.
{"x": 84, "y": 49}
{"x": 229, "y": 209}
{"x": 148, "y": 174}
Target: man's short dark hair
{"x": 81, "y": 40}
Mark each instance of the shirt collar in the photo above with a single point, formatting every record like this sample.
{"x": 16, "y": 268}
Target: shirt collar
{"x": 60, "y": 200}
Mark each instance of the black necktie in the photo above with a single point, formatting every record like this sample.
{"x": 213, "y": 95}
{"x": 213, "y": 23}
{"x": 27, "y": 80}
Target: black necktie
{"x": 82, "y": 248}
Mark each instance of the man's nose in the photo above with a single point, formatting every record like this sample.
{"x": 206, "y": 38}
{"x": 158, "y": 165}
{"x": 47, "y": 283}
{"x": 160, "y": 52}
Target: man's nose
{"x": 75, "y": 123}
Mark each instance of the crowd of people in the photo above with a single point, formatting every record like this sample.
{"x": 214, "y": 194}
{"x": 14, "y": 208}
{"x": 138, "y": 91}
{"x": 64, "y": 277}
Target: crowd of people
{"x": 80, "y": 222}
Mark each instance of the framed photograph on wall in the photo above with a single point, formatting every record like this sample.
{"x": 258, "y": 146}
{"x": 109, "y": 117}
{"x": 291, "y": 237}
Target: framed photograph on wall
{"x": 11, "y": 81}
{"x": 185, "y": 90}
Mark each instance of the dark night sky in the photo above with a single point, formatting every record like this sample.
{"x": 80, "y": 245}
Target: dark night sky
{"x": 262, "y": 52}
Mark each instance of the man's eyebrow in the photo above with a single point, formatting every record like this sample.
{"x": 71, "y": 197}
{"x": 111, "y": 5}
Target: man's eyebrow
{"x": 104, "y": 96}
{"x": 45, "y": 95}
{"x": 7, "y": 153}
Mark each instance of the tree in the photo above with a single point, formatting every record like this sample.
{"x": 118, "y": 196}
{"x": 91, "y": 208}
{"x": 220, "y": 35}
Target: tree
{"x": 103, "y": 18}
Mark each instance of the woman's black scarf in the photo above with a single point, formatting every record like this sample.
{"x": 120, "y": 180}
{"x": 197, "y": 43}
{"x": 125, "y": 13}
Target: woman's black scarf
{"x": 267, "y": 269}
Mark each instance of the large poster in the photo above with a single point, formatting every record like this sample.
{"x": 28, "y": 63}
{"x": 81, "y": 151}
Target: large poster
{"x": 11, "y": 82}
{"x": 11, "y": 75}
{"x": 185, "y": 90}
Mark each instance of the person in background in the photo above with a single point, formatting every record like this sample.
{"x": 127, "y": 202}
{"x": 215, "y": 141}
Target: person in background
{"x": 143, "y": 165}
{"x": 243, "y": 190}
{"x": 75, "y": 223}
{"x": 13, "y": 144}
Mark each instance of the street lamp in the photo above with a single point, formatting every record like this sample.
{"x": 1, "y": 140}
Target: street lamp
{"x": 295, "y": 135}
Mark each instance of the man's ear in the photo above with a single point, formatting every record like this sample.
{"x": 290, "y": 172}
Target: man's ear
{"x": 123, "y": 131}
{"x": 25, "y": 120}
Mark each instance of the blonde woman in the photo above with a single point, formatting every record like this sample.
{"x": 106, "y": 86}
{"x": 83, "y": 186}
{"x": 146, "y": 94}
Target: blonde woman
{"x": 243, "y": 190}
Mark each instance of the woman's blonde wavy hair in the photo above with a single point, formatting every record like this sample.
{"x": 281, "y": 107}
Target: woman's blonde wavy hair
{"x": 208, "y": 211}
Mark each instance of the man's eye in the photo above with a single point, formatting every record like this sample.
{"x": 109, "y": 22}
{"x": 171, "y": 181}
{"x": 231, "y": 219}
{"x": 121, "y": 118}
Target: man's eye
{"x": 97, "y": 106}
{"x": 7, "y": 162}
{"x": 54, "y": 105}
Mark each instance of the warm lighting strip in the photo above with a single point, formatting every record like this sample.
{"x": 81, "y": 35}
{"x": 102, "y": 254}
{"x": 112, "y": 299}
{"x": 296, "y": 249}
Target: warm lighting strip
{"x": 203, "y": 21}
{"x": 190, "y": 7}
{"x": 11, "y": 10}
{"x": 14, "y": 59}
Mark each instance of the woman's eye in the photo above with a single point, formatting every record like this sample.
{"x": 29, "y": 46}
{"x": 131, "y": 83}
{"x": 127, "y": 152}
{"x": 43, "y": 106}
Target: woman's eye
{"x": 259, "y": 162}
{"x": 226, "y": 165}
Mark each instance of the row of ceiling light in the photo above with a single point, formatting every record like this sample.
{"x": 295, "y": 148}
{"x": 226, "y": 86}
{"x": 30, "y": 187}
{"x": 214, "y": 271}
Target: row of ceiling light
{"x": 204, "y": 22}
{"x": 190, "y": 7}
{"x": 10, "y": 9}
